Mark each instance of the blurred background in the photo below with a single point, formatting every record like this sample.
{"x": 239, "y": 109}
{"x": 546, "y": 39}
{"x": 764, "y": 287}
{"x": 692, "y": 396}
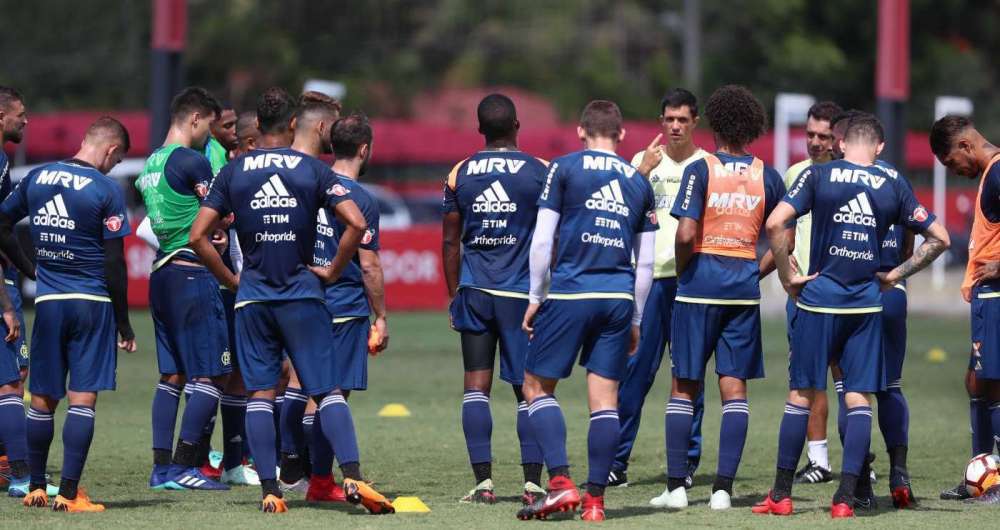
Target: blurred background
{"x": 419, "y": 68}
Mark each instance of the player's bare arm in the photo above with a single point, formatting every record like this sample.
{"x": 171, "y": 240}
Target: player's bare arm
{"x": 9, "y": 315}
{"x": 687, "y": 233}
{"x": 766, "y": 263}
{"x": 371, "y": 273}
{"x": 782, "y": 240}
{"x": 451, "y": 253}
{"x": 936, "y": 241}
{"x": 349, "y": 214}
{"x": 10, "y": 248}
{"x": 200, "y": 242}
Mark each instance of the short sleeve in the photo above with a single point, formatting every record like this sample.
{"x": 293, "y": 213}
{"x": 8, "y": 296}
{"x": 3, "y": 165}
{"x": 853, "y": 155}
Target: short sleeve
{"x": 218, "y": 194}
{"x": 189, "y": 173}
{"x": 690, "y": 201}
{"x": 15, "y": 206}
{"x": 800, "y": 195}
{"x": 637, "y": 159}
{"x": 115, "y": 215}
{"x": 334, "y": 191}
{"x": 649, "y": 221}
{"x": 552, "y": 191}
{"x": 369, "y": 241}
{"x": 912, "y": 214}
{"x": 774, "y": 190}
{"x": 450, "y": 202}
{"x": 990, "y": 200}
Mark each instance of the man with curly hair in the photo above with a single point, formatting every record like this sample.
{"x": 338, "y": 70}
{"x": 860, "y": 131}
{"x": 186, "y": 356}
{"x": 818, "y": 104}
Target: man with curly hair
{"x": 724, "y": 200}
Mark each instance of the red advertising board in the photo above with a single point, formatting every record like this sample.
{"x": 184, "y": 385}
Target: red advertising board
{"x": 411, "y": 260}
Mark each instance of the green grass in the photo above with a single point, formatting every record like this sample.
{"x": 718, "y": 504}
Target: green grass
{"x": 424, "y": 455}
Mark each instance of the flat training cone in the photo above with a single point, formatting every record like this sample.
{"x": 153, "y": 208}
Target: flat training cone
{"x": 410, "y": 505}
{"x": 396, "y": 410}
{"x": 937, "y": 355}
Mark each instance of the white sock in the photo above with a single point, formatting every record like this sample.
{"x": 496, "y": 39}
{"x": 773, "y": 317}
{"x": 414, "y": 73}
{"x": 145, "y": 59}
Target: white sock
{"x": 818, "y": 454}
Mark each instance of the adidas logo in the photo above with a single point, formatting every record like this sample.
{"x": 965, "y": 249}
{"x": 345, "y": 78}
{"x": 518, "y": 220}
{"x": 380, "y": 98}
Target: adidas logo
{"x": 273, "y": 194}
{"x": 54, "y": 214}
{"x": 858, "y": 211}
{"x": 608, "y": 199}
{"x": 494, "y": 199}
{"x": 323, "y": 227}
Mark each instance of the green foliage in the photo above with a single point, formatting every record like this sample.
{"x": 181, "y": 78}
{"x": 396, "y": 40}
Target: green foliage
{"x": 570, "y": 51}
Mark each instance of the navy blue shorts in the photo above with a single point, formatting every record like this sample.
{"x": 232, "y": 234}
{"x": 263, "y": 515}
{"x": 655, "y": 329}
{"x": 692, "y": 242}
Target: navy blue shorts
{"x": 189, "y": 319}
{"x": 985, "y": 337}
{"x": 77, "y": 338}
{"x": 852, "y": 341}
{"x": 19, "y": 348}
{"x": 350, "y": 349}
{"x": 894, "y": 335}
{"x": 598, "y": 329}
{"x": 266, "y": 330}
{"x": 732, "y": 332}
{"x": 475, "y": 311}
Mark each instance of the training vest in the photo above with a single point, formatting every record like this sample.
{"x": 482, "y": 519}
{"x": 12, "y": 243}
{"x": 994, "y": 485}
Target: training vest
{"x": 734, "y": 210}
{"x": 171, "y": 214}
{"x": 984, "y": 241}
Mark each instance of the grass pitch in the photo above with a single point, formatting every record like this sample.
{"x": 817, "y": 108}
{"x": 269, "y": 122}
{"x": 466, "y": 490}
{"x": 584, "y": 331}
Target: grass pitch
{"x": 424, "y": 455}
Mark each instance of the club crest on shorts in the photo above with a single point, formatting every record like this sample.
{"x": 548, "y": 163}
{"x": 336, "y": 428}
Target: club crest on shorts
{"x": 367, "y": 238}
{"x": 227, "y": 358}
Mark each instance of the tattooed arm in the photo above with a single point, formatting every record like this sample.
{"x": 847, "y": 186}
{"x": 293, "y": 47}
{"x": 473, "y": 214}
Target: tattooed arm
{"x": 936, "y": 241}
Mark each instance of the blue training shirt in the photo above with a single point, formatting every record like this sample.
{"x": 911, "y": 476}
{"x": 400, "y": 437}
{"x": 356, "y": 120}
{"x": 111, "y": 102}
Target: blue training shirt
{"x": 72, "y": 208}
{"x": 276, "y": 195}
{"x": 496, "y": 195}
{"x": 892, "y": 245}
{"x": 9, "y": 272}
{"x": 711, "y": 277}
{"x": 853, "y": 207}
{"x": 603, "y": 203}
{"x": 347, "y": 297}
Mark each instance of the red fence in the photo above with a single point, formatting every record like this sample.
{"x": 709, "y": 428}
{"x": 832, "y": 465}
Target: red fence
{"x": 411, "y": 260}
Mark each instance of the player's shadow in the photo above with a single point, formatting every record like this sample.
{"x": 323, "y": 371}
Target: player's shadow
{"x": 137, "y": 503}
{"x": 634, "y": 511}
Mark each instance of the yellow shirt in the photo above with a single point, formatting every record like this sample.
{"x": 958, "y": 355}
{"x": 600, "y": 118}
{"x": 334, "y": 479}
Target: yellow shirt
{"x": 666, "y": 181}
{"x": 803, "y": 226}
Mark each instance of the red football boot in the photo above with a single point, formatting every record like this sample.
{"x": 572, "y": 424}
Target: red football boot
{"x": 324, "y": 489}
{"x": 593, "y": 508}
{"x": 841, "y": 510}
{"x": 561, "y": 497}
{"x": 769, "y": 506}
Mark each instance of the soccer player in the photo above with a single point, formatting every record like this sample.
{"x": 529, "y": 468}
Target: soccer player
{"x": 958, "y": 145}
{"x": 192, "y": 346}
{"x": 276, "y": 194}
{"x": 314, "y": 118}
{"x": 678, "y": 117}
{"x": 840, "y": 304}
{"x": 223, "y": 140}
{"x": 725, "y": 198}
{"x": 247, "y": 133}
{"x": 13, "y": 354}
{"x": 490, "y": 205}
{"x": 358, "y": 294}
{"x": 78, "y": 219}
{"x": 602, "y": 212}
{"x": 819, "y": 145}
